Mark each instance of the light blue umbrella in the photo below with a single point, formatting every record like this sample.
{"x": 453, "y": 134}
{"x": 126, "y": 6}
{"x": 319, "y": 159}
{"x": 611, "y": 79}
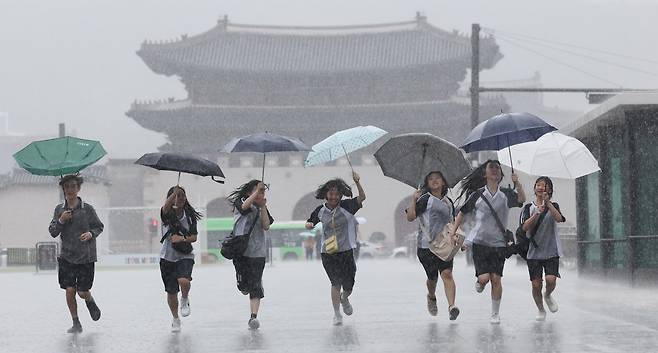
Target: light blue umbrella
{"x": 343, "y": 142}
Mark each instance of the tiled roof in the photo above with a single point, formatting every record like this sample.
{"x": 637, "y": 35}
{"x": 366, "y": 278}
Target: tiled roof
{"x": 246, "y": 48}
{"x": 204, "y": 129}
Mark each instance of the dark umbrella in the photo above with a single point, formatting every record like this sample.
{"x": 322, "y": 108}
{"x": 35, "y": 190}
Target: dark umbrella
{"x": 265, "y": 142}
{"x": 182, "y": 163}
{"x": 505, "y": 130}
{"x": 409, "y": 157}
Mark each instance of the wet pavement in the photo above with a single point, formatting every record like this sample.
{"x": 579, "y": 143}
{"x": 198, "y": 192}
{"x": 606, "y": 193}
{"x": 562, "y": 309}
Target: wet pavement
{"x": 389, "y": 314}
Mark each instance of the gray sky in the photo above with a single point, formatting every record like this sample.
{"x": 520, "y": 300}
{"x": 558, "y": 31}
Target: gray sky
{"x": 74, "y": 61}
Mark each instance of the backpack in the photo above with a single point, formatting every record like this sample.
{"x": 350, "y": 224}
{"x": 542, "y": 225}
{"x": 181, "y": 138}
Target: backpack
{"x": 175, "y": 227}
{"x": 523, "y": 241}
{"x": 235, "y": 246}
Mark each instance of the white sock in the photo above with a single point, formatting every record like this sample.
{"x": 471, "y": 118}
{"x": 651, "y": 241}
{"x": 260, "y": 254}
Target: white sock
{"x": 495, "y": 306}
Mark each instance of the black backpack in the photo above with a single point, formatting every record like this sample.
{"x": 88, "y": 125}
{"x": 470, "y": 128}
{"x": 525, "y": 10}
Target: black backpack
{"x": 175, "y": 227}
{"x": 523, "y": 241}
{"x": 235, "y": 245}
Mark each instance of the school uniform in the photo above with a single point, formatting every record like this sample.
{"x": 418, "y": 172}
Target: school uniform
{"x": 341, "y": 222}
{"x": 249, "y": 267}
{"x": 174, "y": 264}
{"x": 487, "y": 239}
{"x": 433, "y": 214}
{"x": 76, "y": 262}
{"x": 545, "y": 257}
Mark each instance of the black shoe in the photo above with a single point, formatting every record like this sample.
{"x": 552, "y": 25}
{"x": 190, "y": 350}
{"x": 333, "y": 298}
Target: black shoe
{"x": 94, "y": 311}
{"x": 454, "y": 312}
{"x": 76, "y": 328}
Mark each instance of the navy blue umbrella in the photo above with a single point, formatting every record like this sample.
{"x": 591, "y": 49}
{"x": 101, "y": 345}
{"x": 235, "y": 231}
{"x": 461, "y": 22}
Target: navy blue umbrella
{"x": 265, "y": 142}
{"x": 505, "y": 130}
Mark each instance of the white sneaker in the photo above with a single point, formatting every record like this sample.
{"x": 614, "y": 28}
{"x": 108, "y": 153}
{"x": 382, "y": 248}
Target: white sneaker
{"x": 338, "y": 320}
{"x": 175, "y": 325}
{"x": 541, "y": 316}
{"x": 495, "y": 319}
{"x": 479, "y": 287}
{"x": 550, "y": 302}
{"x": 185, "y": 307}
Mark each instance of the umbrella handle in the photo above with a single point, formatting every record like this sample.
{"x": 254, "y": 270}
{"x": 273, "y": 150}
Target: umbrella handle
{"x": 422, "y": 164}
{"x": 511, "y": 163}
{"x": 509, "y": 150}
{"x": 348, "y": 158}
{"x": 262, "y": 175}
{"x": 216, "y": 180}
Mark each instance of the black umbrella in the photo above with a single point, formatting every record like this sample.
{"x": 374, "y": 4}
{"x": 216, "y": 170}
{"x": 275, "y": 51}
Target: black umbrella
{"x": 265, "y": 142}
{"x": 409, "y": 157}
{"x": 182, "y": 163}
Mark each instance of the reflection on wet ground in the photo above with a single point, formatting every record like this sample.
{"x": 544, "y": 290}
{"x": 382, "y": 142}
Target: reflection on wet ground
{"x": 390, "y": 314}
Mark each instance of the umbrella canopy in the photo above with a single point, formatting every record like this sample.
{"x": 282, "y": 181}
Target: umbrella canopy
{"x": 265, "y": 142}
{"x": 343, "y": 142}
{"x": 59, "y": 156}
{"x": 410, "y": 157}
{"x": 181, "y": 163}
{"x": 505, "y": 130}
{"x": 553, "y": 155}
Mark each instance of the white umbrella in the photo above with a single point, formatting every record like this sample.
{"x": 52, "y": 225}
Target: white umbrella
{"x": 553, "y": 155}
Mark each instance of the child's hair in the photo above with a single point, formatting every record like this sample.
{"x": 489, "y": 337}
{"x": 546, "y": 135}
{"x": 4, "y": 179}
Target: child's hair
{"x": 425, "y": 188}
{"x": 242, "y": 192}
{"x": 189, "y": 210}
{"x": 338, "y": 183}
{"x": 548, "y": 182}
{"x": 477, "y": 179}
{"x": 63, "y": 180}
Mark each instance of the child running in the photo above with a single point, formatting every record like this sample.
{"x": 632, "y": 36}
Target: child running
{"x": 490, "y": 205}
{"x": 339, "y": 237}
{"x": 539, "y": 220}
{"x": 434, "y": 210}
{"x": 252, "y": 219}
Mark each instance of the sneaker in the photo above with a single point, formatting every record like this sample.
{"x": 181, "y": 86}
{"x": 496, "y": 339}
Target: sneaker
{"x": 541, "y": 315}
{"x": 347, "y": 307}
{"x": 253, "y": 323}
{"x": 185, "y": 307}
{"x": 454, "y": 312}
{"x": 175, "y": 325}
{"x": 479, "y": 287}
{"x": 94, "y": 311}
{"x": 76, "y": 328}
{"x": 495, "y": 319}
{"x": 552, "y": 305}
{"x": 431, "y": 306}
{"x": 338, "y": 320}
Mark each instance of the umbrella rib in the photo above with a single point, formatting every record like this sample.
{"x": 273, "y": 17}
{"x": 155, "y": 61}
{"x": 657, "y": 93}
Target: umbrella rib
{"x": 36, "y": 147}
{"x": 564, "y": 162}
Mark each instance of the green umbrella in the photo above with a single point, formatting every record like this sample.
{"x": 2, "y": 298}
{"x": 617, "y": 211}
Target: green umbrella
{"x": 59, "y": 156}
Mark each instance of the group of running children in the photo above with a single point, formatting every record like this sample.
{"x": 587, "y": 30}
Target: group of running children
{"x": 78, "y": 225}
